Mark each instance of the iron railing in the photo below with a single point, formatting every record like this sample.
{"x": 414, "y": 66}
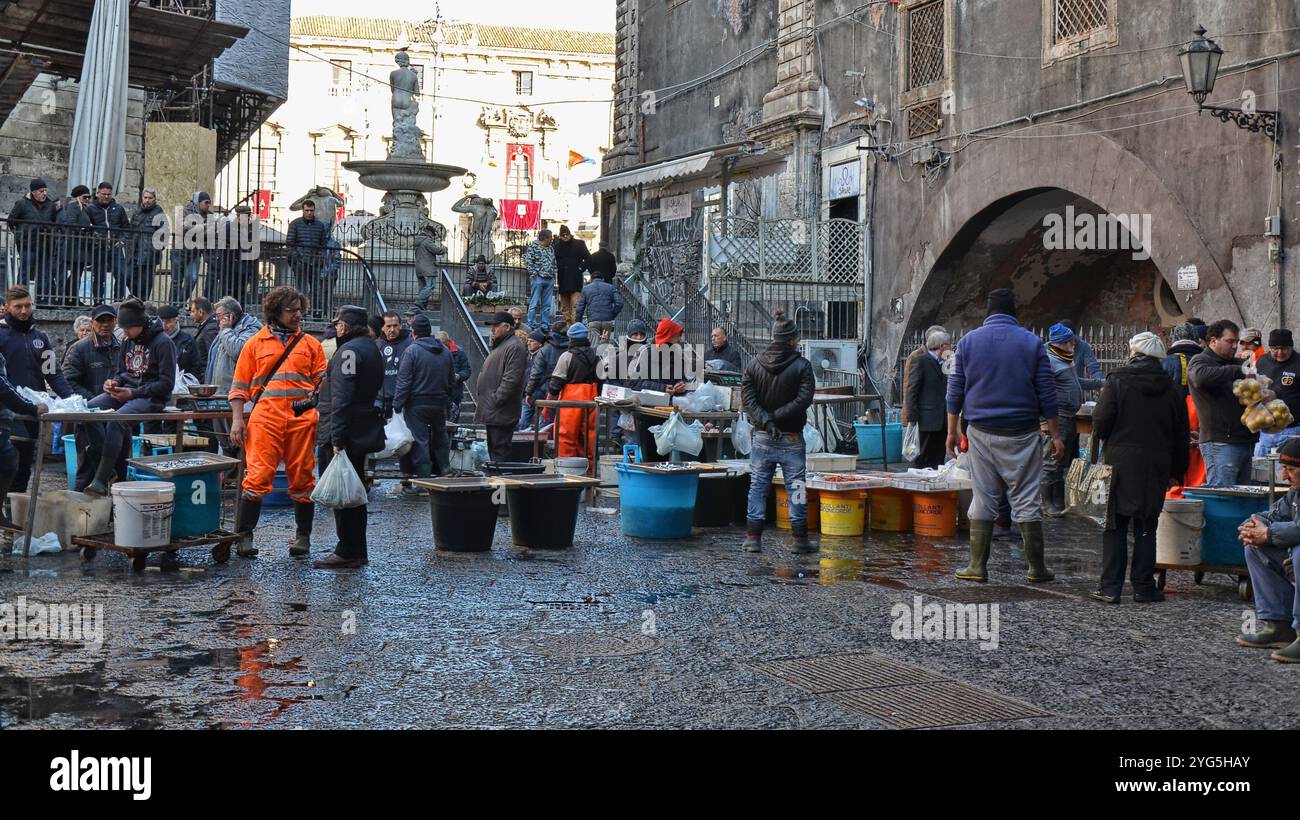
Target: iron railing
{"x": 73, "y": 268}
{"x": 461, "y": 326}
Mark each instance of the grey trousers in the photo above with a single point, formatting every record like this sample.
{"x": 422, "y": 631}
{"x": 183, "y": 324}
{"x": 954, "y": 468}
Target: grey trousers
{"x": 1013, "y": 463}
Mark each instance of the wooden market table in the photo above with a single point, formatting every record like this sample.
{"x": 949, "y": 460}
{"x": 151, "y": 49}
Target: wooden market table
{"x": 217, "y": 539}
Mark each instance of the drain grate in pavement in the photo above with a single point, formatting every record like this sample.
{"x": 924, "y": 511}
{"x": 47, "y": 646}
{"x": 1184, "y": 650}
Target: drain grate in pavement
{"x": 898, "y": 694}
{"x": 566, "y": 606}
{"x": 834, "y": 673}
{"x": 579, "y": 644}
{"x": 989, "y": 594}
{"x": 932, "y": 705}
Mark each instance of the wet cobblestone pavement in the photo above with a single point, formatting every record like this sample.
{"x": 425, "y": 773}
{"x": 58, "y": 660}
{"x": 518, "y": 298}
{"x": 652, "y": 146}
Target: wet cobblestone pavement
{"x": 622, "y": 633}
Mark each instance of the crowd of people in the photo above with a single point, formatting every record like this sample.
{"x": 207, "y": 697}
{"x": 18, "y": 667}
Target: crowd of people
{"x": 1166, "y": 419}
{"x": 88, "y": 248}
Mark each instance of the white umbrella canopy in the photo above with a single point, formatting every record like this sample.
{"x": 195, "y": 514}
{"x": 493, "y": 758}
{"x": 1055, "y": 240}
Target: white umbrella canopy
{"x": 98, "y": 150}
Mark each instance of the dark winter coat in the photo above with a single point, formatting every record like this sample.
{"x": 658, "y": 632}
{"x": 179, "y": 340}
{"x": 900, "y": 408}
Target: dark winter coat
{"x": 10, "y": 401}
{"x": 570, "y": 261}
{"x": 89, "y": 363}
{"x": 926, "y": 388}
{"x": 109, "y": 220}
{"x": 392, "y": 355}
{"x": 728, "y": 353}
{"x": 499, "y": 391}
{"x": 204, "y": 335}
{"x": 187, "y": 354}
{"x": 600, "y": 302}
{"x": 1217, "y": 410}
{"x": 539, "y": 377}
{"x": 1069, "y": 386}
{"x": 1143, "y": 422}
{"x": 460, "y": 371}
{"x": 907, "y": 377}
{"x": 28, "y": 217}
{"x": 31, "y": 359}
{"x": 147, "y": 365}
{"x": 306, "y": 241}
{"x": 577, "y": 366}
{"x": 778, "y": 387}
{"x": 1179, "y": 360}
{"x": 356, "y": 423}
{"x": 602, "y": 263}
{"x": 424, "y": 376}
{"x": 144, "y": 224}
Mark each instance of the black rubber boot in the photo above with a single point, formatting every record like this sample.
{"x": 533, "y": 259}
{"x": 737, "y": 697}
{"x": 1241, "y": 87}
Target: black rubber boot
{"x": 801, "y": 542}
{"x": 1032, "y": 532}
{"x": 250, "y": 510}
{"x": 103, "y": 475}
{"x": 753, "y": 535}
{"x": 981, "y": 541}
{"x": 442, "y": 462}
{"x": 1267, "y": 635}
{"x": 303, "y": 515}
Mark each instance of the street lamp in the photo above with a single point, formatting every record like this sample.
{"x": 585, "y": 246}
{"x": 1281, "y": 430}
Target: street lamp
{"x": 1200, "y": 59}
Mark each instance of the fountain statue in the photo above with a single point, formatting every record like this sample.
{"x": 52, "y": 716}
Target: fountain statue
{"x": 406, "y": 108}
{"x": 480, "y": 232}
{"x": 404, "y": 177}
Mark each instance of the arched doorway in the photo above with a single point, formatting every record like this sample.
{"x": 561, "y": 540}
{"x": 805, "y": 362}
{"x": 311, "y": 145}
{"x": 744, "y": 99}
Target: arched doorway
{"x": 1017, "y": 242}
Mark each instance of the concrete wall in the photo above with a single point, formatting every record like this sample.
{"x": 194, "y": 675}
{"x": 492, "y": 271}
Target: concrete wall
{"x": 34, "y": 142}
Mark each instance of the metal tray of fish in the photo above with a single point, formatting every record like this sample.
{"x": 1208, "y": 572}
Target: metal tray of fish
{"x": 170, "y": 465}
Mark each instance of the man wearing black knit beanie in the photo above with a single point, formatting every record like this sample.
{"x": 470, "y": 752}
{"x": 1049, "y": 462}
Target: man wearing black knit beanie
{"x": 1283, "y": 367}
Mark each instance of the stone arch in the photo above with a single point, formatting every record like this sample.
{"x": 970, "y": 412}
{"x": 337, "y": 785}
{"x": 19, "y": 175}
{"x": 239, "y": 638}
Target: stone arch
{"x": 1093, "y": 167}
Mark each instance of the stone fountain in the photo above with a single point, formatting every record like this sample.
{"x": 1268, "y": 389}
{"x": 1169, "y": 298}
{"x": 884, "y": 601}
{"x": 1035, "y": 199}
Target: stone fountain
{"x": 404, "y": 177}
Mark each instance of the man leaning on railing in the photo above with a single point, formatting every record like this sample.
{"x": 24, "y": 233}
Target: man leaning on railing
{"x": 29, "y": 219}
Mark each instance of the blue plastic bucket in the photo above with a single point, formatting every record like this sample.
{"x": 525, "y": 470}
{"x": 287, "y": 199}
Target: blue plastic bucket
{"x": 1223, "y": 514}
{"x": 70, "y": 459}
{"x": 869, "y": 441}
{"x": 198, "y": 504}
{"x": 279, "y": 495}
{"x": 654, "y": 505}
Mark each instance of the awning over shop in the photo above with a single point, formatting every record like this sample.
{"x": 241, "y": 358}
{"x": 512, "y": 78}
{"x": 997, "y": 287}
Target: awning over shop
{"x": 694, "y": 170}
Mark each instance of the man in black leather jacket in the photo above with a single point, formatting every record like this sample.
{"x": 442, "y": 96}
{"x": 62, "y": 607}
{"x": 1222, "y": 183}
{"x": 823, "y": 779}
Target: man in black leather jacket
{"x": 778, "y": 389}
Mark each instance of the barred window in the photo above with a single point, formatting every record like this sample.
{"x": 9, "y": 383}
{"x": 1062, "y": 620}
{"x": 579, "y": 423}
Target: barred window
{"x": 923, "y": 119}
{"x": 1075, "y": 18}
{"x": 924, "y": 45}
{"x": 1073, "y": 27}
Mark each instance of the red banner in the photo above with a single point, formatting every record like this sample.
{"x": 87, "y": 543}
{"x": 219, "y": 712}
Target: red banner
{"x": 262, "y": 204}
{"x": 521, "y": 214}
{"x": 516, "y": 154}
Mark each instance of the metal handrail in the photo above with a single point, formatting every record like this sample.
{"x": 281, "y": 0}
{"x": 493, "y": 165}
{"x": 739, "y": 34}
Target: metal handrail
{"x": 466, "y": 331}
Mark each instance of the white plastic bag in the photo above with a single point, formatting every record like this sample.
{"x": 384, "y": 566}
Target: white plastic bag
{"x": 911, "y": 442}
{"x": 742, "y": 435}
{"x": 339, "y": 486}
{"x": 676, "y": 434}
{"x": 626, "y": 421}
{"x": 705, "y": 399}
{"x": 183, "y": 382}
{"x": 812, "y": 440}
{"x": 49, "y": 542}
{"x": 75, "y": 403}
{"x": 397, "y": 438}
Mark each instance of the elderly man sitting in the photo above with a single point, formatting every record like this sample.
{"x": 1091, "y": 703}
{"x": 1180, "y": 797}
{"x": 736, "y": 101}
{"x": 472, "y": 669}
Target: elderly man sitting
{"x": 1272, "y": 546}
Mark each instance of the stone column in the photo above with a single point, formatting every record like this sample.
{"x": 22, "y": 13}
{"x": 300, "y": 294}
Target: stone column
{"x": 792, "y": 110}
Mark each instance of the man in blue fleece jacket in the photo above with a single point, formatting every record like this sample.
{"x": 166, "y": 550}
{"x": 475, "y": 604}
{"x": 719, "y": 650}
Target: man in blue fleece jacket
{"x": 1002, "y": 384}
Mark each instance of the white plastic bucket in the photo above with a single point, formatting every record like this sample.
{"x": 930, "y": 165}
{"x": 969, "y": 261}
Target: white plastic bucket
{"x": 142, "y": 513}
{"x": 1178, "y": 535}
{"x": 571, "y": 466}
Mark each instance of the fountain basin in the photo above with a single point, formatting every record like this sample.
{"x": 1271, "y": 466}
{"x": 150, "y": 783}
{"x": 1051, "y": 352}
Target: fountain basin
{"x": 403, "y": 175}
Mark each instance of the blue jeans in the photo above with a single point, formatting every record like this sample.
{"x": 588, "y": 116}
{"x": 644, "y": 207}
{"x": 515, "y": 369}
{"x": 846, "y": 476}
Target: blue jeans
{"x": 526, "y": 417}
{"x": 1267, "y": 441}
{"x": 427, "y": 286}
{"x": 1275, "y": 598}
{"x": 767, "y": 452}
{"x": 1226, "y": 464}
{"x": 540, "y": 303}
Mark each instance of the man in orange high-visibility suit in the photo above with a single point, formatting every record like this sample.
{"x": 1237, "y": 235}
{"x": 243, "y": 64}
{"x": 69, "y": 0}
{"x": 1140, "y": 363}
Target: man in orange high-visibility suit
{"x": 275, "y": 431}
{"x": 575, "y": 379}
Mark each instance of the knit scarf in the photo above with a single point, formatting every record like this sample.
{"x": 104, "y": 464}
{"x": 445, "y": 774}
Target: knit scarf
{"x": 1068, "y": 358}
